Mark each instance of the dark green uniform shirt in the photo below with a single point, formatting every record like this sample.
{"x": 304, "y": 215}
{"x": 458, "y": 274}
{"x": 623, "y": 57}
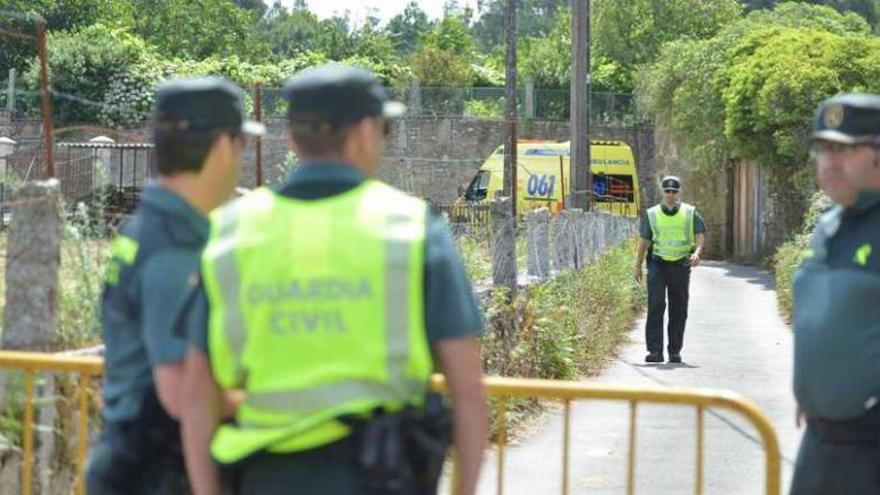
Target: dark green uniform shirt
{"x": 153, "y": 270}
{"x": 837, "y": 314}
{"x": 451, "y": 310}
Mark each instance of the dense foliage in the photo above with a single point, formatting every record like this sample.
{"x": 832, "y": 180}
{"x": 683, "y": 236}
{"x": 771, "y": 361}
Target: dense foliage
{"x": 749, "y": 92}
{"x": 111, "y": 52}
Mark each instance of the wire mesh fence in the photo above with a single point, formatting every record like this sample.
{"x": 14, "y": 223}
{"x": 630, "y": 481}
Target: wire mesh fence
{"x": 489, "y": 103}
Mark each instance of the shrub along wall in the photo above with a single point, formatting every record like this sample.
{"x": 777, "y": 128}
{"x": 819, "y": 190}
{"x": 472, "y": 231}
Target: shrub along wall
{"x": 567, "y": 327}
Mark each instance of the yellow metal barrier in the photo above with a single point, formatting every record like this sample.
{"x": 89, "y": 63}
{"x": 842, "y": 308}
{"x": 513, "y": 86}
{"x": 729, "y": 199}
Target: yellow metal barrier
{"x": 568, "y": 391}
{"x": 500, "y": 388}
{"x": 31, "y": 363}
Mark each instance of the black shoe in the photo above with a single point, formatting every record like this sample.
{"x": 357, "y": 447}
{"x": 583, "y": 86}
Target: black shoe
{"x": 654, "y": 357}
{"x": 674, "y": 358}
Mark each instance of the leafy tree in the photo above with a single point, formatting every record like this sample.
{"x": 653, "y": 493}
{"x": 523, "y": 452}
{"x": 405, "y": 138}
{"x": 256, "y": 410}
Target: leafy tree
{"x": 773, "y": 93}
{"x": 749, "y": 92}
{"x": 196, "y": 29}
{"x": 631, "y": 32}
{"x": 408, "y": 27}
{"x": 84, "y": 64}
{"x": 291, "y": 33}
{"x": 438, "y": 67}
{"x": 257, "y": 6}
{"x": 451, "y": 34}
{"x": 60, "y": 15}
{"x": 685, "y": 88}
{"x": 547, "y": 59}
{"x": 535, "y": 18}
{"x": 446, "y": 55}
{"x": 868, "y": 9}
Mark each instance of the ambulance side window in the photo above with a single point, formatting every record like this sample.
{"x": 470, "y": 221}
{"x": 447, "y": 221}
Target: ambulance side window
{"x": 478, "y": 189}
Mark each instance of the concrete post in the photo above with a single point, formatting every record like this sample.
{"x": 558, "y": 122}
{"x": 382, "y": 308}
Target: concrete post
{"x": 503, "y": 245}
{"x": 101, "y": 164}
{"x": 605, "y": 230}
{"x": 33, "y": 256}
{"x": 7, "y": 147}
{"x": 585, "y": 239}
{"x": 530, "y": 97}
{"x": 538, "y": 242}
{"x": 415, "y": 98}
{"x": 563, "y": 235}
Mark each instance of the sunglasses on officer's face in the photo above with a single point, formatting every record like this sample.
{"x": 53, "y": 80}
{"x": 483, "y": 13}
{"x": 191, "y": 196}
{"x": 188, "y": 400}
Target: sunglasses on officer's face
{"x": 671, "y": 191}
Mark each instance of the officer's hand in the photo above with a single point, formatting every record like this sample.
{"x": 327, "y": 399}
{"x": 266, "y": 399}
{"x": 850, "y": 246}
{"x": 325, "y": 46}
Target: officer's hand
{"x": 695, "y": 260}
{"x": 637, "y": 273}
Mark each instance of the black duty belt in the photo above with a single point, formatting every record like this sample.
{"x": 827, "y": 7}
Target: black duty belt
{"x": 681, "y": 261}
{"x": 864, "y": 430}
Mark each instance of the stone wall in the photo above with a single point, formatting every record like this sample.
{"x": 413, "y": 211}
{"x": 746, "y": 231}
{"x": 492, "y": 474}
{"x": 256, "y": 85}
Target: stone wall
{"x": 430, "y": 158}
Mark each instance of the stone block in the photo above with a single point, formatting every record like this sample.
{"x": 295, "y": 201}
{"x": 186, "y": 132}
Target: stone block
{"x": 538, "y": 242}
{"x": 33, "y": 256}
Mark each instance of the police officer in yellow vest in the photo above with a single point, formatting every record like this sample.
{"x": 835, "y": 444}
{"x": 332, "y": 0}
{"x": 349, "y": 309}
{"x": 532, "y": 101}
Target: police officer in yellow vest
{"x": 837, "y": 308}
{"x": 672, "y": 237}
{"x": 327, "y": 300}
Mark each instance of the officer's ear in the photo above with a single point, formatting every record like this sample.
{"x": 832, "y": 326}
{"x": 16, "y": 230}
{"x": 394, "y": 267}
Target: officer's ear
{"x": 876, "y": 152}
{"x": 291, "y": 144}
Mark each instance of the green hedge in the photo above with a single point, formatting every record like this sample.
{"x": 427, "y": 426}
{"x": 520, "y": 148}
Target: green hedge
{"x": 789, "y": 255}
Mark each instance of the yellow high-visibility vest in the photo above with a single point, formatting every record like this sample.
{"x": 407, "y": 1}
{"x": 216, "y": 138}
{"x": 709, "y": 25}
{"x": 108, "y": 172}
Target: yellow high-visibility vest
{"x": 316, "y": 311}
{"x": 672, "y": 235}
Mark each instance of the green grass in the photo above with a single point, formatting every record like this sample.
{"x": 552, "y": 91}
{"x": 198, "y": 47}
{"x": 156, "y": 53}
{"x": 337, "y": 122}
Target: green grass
{"x": 476, "y": 255}
{"x": 567, "y": 327}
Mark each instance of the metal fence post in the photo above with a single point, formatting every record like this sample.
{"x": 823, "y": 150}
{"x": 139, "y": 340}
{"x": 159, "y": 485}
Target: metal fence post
{"x": 415, "y": 98}
{"x": 10, "y": 95}
{"x": 530, "y": 97}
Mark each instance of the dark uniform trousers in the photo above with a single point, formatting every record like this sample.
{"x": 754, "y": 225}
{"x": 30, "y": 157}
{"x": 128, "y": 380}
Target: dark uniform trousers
{"x": 141, "y": 456}
{"x": 839, "y": 457}
{"x": 116, "y": 467}
{"x": 672, "y": 278}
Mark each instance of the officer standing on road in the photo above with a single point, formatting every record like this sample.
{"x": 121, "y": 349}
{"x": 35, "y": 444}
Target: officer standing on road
{"x": 672, "y": 236}
{"x": 198, "y": 132}
{"x": 325, "y": 300}
{"x": 837, "y": 308}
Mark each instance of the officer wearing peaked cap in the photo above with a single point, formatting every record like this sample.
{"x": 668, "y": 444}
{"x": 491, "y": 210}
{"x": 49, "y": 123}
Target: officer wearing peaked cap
{"x": 672, "y": 237}
{"x": 335, "y": 380}
{"x": 836, "y": 310}
{"x": 198, "y": 133}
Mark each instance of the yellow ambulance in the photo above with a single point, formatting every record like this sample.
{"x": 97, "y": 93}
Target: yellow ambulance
{"x": 543, "y": 177}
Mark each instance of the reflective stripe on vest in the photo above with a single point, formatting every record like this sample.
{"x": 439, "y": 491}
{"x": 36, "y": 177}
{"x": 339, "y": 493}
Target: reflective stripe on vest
{"x": 293, "y": 407}
{"x": 672, "y": 235}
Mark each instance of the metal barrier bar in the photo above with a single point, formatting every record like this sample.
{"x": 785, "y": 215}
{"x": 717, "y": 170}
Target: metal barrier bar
{"x": 27, "y": 434}
{"x": 700, "y": 444}
{"x": 502, "y": 388}
{"x": 502, "y": 440}
{"x": 631, "y": 463}
{"x": 701, "y": 399}
{"x": 82, "y": 443}
{"x": 566, "y": 446}
{"x": 32, "y": 363}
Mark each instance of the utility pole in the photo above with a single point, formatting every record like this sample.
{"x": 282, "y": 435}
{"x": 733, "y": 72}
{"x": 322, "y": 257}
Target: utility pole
{"x": 44, "y": 95}
{"x": 581, "y": 185}
{"x": 510, "y": 152}
{"x": 258, "y": 145}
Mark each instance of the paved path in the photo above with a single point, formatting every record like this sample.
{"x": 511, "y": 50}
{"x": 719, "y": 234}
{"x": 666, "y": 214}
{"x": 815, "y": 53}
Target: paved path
{"x": 736, "y": 340}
